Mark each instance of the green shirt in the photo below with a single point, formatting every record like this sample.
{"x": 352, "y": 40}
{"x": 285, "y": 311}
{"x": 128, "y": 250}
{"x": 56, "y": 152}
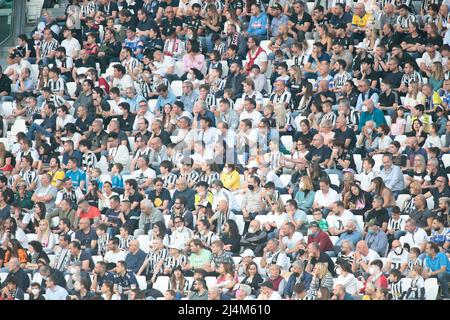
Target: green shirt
{"x": 198, "y": 260}
{"x": 323, "y": 225}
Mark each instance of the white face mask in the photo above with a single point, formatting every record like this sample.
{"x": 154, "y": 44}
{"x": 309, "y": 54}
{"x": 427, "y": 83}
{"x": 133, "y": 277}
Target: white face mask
{"x": 364, "y": 109}
{"x": 251, "y": 230}
{"x": 35, "y": 292}
{"x": 214, "y": 191}
{"x": 179, "y": 229}
{"x": 369, "y": 131}
{"x": 372, "y": 270}
{"x": 398, "y": 250}
{"x": 338, "y": 271}
{"x": 190, "y": 76}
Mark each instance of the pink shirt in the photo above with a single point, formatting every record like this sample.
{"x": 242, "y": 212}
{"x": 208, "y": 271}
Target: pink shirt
{"x": 197, "y": 62}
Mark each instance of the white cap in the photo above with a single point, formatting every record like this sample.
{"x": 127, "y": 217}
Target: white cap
{"x": 247, "y": 253}
{"x": 362, "y": 45}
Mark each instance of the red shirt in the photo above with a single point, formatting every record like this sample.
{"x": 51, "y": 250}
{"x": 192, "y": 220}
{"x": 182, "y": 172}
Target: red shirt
{"x": 324, "y": 241}
{"x": 90, "y": 214}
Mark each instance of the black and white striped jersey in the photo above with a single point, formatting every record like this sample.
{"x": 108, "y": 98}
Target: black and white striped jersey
{"x": 210, "y": 178}
{"x": 47, "y": 47}
{"x": 170, "y": 179}
{"x": 154, "y": 257}
{"x": 397, "y": 290}
{"x": 192, "y": 176}
{"x": 124, "y": 243}
{"x": 172, "y": 262}
{"x": 340, "y": 79}
{"x": 57, "y": 86}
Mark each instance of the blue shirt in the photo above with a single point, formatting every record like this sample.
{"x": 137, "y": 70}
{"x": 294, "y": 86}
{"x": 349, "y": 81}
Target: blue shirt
{"x": 76, "y": 154}
{"x": 376, "y": 116}
{"x": 258, "y": 25}
{"x": 354, "y": 237}
{"x": 117, "y": 181}
{"x": 277, "y": 22}
{"x": 161, "y": 102}
{"x": 134, "y": 103}
{"x": 76, "y": 176}
{"x": 439, "y": 260}
{"x": 135, "y": 261}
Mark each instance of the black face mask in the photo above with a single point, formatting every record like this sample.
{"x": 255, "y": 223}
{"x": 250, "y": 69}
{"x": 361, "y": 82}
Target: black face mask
{"x": 251, "y": 187}
{"x": 343, "y": 253}
{"x": 349, "y": 231}
{"x": 296, "y": 274}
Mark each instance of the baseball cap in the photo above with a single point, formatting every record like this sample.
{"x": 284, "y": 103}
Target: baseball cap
{"x": 362, "y": 45}
{"x": 247, "y": 253}
{"x": 252, "y": 164}
{"x": 131, "y": 28}
{"x": 267, "y": 284}
{"x": 313, "y": 224}
{"x": 276, "y": 6}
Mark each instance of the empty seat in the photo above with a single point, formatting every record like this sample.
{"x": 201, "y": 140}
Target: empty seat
{"x": 142, "y": 282}
{"x": 144, "y": 242}
{"x": 240, "y": 223}
{"x": 401, "y": 199}
{"x": 431, "y": 289}
{"x": 287, "y": 142}
{"x": 161, "y": 284}
{"x": 177, "y": 88}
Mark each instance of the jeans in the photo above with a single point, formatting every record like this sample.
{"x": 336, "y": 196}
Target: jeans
{"x": 37, "y": 128}
{"x": 443, "y": 279}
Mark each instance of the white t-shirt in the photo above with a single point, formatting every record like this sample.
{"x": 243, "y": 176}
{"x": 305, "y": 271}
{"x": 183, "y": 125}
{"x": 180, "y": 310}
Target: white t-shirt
{"x": 167, "y": 63}
{"x": 255, "y": 116}
{"x": 371, "y": 256}
{"x": 365, "y": 179}
{"x": 340, "y": 222}
{"x": 274, "y": 296}
{"x": 326, "y": 200}
{"x": 112, "y": 257}
{"x": 290, "y": 243}
{"x": 416, "y": 239}
{"x": 349, "y": 282}
{"x": 71, "y": 46}
{"x": 124, "y": 83}
{"x": 142, "y": 176}
{"x": 202, "y": 158}
{"x": 397, "y": 260}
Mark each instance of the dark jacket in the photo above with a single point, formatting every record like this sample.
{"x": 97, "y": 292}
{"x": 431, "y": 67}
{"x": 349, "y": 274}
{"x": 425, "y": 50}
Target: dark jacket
{"x": 305, "y": 279}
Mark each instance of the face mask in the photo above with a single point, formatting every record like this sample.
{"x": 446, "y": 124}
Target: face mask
{"x": 364, "y": 109}
{"x": 338, "y": 271}
{"x": 349, "y": 231}
{"x": 179, "y": 229}
{"x": 398, "y": 250}
{"x": 301, "y": 185}
{"x": 35, "y": 292}
{"x": 369, "y": 131}
{"x": 251, "y": 230}
{"x": 190, "y": 77}
{"x": 372, "y": 270}
{"x": 370, "y": 231}
{"x": 251, "y": 187}
{"x": 214, "y": 191}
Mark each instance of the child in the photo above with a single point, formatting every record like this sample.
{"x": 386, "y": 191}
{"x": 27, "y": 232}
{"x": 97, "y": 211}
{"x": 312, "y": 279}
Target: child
{"x": 398, "y": 124}
{"x": 417, "y": 289}
{"x": 116, "y": 176}
{"x": 103, "y": 238}
{"x": 413, "y": 259}
{"x": 95, "y": 174}
{"x": 396, "y": 225}
{"x": 396, "y": 285}
{"x": 318, "y": 217}
{"x": 227, "y": 94}
{"x": 124, "y": 237}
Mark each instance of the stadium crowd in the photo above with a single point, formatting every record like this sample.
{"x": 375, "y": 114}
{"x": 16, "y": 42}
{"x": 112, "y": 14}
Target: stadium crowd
{"x": 209, "y": 149}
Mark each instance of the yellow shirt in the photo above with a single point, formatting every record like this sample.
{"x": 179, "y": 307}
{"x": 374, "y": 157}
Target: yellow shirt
{"x": 231, "y": 180}
{"x": 57, "y": 175}
{"x": 361, "y": 21}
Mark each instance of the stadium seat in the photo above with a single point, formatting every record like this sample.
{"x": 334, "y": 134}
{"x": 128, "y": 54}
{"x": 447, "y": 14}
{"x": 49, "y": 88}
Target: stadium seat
{"x": 431, "y": 288}
{"x": 285, "y": 197}
{"x": 358, "y": 162}
{"x": 310, "y": 46}
{"x": 334, "y": 239}
{"x": 103, "y": 164}
{"x": 142, "y": 282}
{"x": 131, "y": 142}
{"x": 261, "y": 218}
{"x": 144, "y": 242}
{"x": 210, "y": 281}
{"x": 105, "y": 177}
{"x": 37, "y": 277}
{"x": 388, "y": 120}
{"x": 5, "y": 141}
{"x": 177, "y": 88}
{"x": 224, "y": 64}
{"x": 166, "y": 220}
{"x": 334, "y": 179}
{"x": 161, "y": 284}
{"x": 264, "y": 44}
{"x": 31, "y": 236}
{"x": 430, "y": 203}
{"x": 287, "y": 142}
{"x": 239, "y": 199}
{"x": 401, "y": 199}
{"x": 240, "y": 223}
{"x": 401, "y": 139}
{"x": 446, "y": 160}
{"x": 360, "y": 222}
{"x": 7, "y": 108}
{"x": 237, "y": 260}
{"x": 239, "y": 104}
{"x": 257, "y": 261}
{"x": 71, "y": 87}
{"x": 179, "y": 68}
{"x": 406, "y": 283}
{"x": 378, "y": 158}
{"x": 285, "y": 178}
{"x": 3, "y": 276}
{"x": 55, "y": 221}
{"x": 97, "y": 259}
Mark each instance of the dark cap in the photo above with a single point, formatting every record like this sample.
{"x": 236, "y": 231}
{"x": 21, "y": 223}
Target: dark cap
{"x": 313, "y": 224}
{"x": 276, "y": 6}
{"x": 267, "y": 284}
{"x": 131, "y": 28}
{"x": 403, "y": 6}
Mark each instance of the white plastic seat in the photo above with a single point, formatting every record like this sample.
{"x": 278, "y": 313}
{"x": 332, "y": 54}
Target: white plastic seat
{"x": 142, "y": 283}
{"x": 102, "y": 164}
{"x": 287, "y": 142}
{"x": 334, "y": 239}
{"x": 71, "y": 87}
{"x": 97, "y": 259}
{"x": 431, "y": 289}
{"x": 161, "y": 284}
{"x": 177, "y": 88}
{"x": 179, "y": 68}
{"x": 285, "y": 197}
{"x": 360, "y": 222}
{"x": 401, "y": 199}
{"x": 7, "y": 108}
{"x": 144, "y": 242}
{"x": 378, "y": 158}
{"x": 334, "y": 179}
{"x": 166, "y": 220}
{"x": 285, "y": 178}
{"x": 31, "y": 237}
{"x": 446, "y": 160}
{"x": 358, "y": 162}
{"x": 240, "y": 223}
{"x": 237, "y": 260}
{"x": 430, "y": 203}
{"x": 210, "y": 281}
{"x": 265, "y": 45}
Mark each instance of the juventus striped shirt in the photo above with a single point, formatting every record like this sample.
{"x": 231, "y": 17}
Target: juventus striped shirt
{"x": 154, "y": 257}
{"x": 192, "y": 176}
{"x": 169, "y": 179}
{"x": 124, "y": 243}
{"x": 47, "y": 47}
{"x": 210, "y": 178}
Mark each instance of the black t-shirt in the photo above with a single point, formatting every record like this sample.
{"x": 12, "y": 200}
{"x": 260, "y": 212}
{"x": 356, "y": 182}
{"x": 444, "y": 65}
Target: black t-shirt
{"x": 158, "y": 199}
{"x": 146, "y": 25}
{"x": 380, "y": 216}
{"x": 372, "y": 76}
{"x": 344, "y": 157}
{"x": 85, "y": 239}
{"x": 414, "y": 40}
{"x": 109, "y": 8}
{"x": 422, "y": 135}
{"x": 301, "y": 21}
{"x": 84, "y": 255}
{"x": 5, "y": 84}
{"x": 168, "y": 27}
{"x": 395, "y": 78}
{"x": 127, "y": 124}
{"x": 346, "y": 42}
{"x": 89, "y": 63}
{"x": 399, "y": 160}
{"x": 391, "y": 41}
{"x": 388, "y": 100}
{"x": 437, "y": 195}
{"x": 309, "y": 135}
{"x": 347, "y": 134}
{"x": 136, "y": 197}
{"x": 323, "y": 153}
{"x": 326, "y": 259}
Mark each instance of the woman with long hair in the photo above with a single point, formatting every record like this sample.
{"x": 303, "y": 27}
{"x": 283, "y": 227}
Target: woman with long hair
{"x": 231, "y": 237}
{"x": 159, "y": 231}
{"x": 193, "y": 59}
{"x": 231, "y": 16}
{"x": 12, "y": 231}
{"x": 305, "y": 130}
{"x": 178, "y": 282}
{"x": 94, "y": 194}
{"x": 305, "y": 102}
{"x": 253, "y": 278}
{"x": 379, "y": 189}
{"x": 436, "y": 76}
{"x": 209, "y": 172}
{"x": 398, "y": 121}
{"x": 167, "y": 110}
{"x": 276, "y": 217}
{"x": 305, "y": 194}
{"x": 357, "y": 200}
{"x": 212, "y": 24}
{"x": 13, "y": 249}
{"x": 35, "y": 253}
{"x": 283, "y": 120}
{"x": 434, "y": 139}
{"x": 413, "y": 96}
{"x": 101, "y": 105}
{"x": 346, "y": 277}
{"x": 7, "y": 160}
{"x": 107, "y": 290}
{"x": 418, "y": 131}
{"x": 45, "y": 236}
{"x": 42, "y": 80}
{"x": 227, "y": 279}
{"x": 433, "y": 34}
{"x": 321, "y": 278}
{"x": 315, "y": 116}
{"x": 315, "y": 172}
{"x": 325, "y": 37}
{"x": 295, "y": 85}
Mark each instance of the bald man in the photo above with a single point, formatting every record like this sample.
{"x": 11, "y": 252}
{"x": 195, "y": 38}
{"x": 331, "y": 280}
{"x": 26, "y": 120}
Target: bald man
{"x": 135, "y": 257}
{"x": 319, "y": 152}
